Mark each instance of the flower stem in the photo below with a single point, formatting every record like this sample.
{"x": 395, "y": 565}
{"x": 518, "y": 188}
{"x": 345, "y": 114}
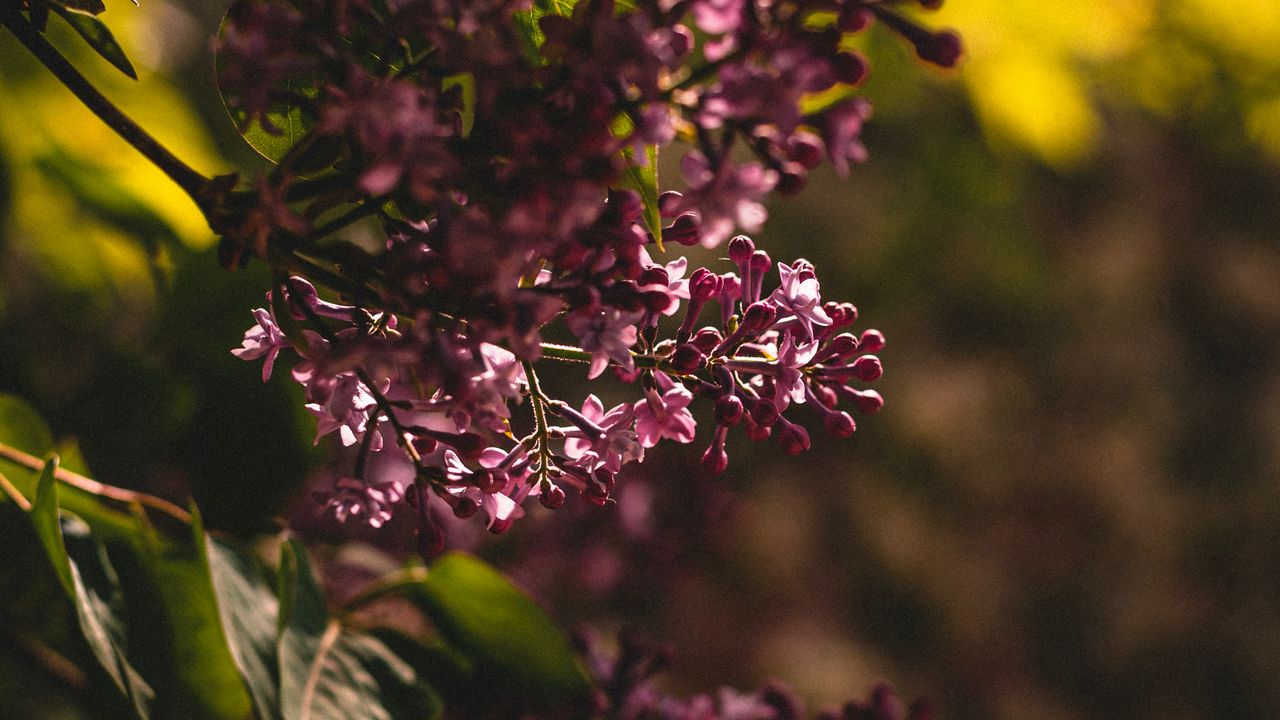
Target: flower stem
{"x": 192, "y": 182}
{"x": 94, "y": 487}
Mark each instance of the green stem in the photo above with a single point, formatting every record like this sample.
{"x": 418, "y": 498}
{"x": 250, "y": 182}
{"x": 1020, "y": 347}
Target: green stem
{"x": 121, "y": 495}
{"x": 541, "y": 429}
{"x": 384, "y": 586}
{"x": 192, "y": 182}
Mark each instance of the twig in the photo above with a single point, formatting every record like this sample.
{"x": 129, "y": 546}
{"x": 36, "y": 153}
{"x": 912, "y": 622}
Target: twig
{"x": 94, "y": 487}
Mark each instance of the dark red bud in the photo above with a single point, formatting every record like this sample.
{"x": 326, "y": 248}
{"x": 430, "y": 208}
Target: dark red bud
{"x": 703, "y": 285}
{"x": 687, "y": 359}
{"x": 655, "y": 276}
{"x": 793, "y": 438}
{"x": 867, "y": 368}
{"x": 758, "y": 317}
{"x": 430, "y": 541}
{"x": 740, "y": 249}
{"x": 850, "y": 68}
{"x": 684, "y": 231}
{"x": 943, "y": 49}
{"x": 868, "y": 402}
{"x": 552, "y": 498}
{"x": 839, "y": 424}
{"x": 760, "y": 262}
{"x": 729, "y": 410}
{"x": 706, "y": 339}
{"x": 764, "y": 412}
{"x": 805, "y": 148}
{"x": 844, "y": 344}
{"x": 715, "y": 459}
{"x": 854, "y": 19}
{"x": 872, "y": 341}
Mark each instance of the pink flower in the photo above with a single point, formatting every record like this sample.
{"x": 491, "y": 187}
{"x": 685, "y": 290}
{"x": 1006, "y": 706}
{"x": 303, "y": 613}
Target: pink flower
{"x": 666, "y": 415}
{"x": 264, "y": 339}
{"x": 799, "y": 295}
{"x": 725, "y": 197}
{"x": 608, "y": 334}
{"x": 614, "y": 441}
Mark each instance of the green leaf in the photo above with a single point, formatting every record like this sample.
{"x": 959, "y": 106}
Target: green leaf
{"x": 99, "y": 38}
{"x": 188, "y": 659}
{"x": 327, "y": 671}
{"x": 249, "y": 609}
{"x": 92, "y": 586}
{"x": 641, "y": 178}
{"x": 93, "y": 7}
{"x": 514, "y": 645}
{"x": 292, "y": 122}
{"x": 98, "y": 194}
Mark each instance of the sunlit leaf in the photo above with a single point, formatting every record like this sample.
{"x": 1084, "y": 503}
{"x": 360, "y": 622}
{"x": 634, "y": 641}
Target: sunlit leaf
{"x": 99, "y": 38}
{"x": 512, "y": 642}
{"x": 641, "y": 177}
{"x": 93, "y": 7}
{"x": 248, "y": 608}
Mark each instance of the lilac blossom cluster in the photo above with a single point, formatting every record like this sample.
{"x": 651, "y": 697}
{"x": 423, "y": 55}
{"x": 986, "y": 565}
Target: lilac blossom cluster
{"x": 508, "y": 154}
{"x": 628, "y": 692}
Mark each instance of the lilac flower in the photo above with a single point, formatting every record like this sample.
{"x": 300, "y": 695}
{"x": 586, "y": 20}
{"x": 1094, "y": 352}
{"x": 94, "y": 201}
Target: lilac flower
{"x": 346, "y": 408}
{"x": 608, "y": 334}
{"x": 799, "y": 294}
{"x": 789, "y": 381}
{"x": 612, "y": 438}
{"x": 353, "y": 499}
{"x": 724, "y": 197}
{"x": 265, "y": 339}
{"x": 501, "y": 509}
{"x": 841, "y": 126}
{"x": 666, "y": 415}
{"x": 717, "y": 17}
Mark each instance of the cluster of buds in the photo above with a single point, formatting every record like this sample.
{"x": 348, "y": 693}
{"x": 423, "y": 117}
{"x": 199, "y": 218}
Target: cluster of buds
{"x": 508, "y": 155}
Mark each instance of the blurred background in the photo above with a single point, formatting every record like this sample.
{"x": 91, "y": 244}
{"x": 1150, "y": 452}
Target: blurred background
{"x": 1070, "y": 506}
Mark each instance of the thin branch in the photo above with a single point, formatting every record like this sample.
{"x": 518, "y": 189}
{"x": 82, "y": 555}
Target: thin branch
{"x": 192, "y": 182}
{"x": 94, "y": 487}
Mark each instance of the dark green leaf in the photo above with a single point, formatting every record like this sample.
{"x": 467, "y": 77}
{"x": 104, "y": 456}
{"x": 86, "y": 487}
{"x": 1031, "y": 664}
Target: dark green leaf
{"x": 93, "y": 587}
{"x": 249, "y": 609}
{"x": 93, "y": 7}
{"x": 511, "y": 641}
{"x": 287, "y": 125}
{"x": 188, "y": 659}
{"x": 99, "y": 38}
{"x": 328, "y": 672}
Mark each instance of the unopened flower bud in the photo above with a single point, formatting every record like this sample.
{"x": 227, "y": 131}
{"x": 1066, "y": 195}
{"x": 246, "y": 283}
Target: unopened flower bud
{"x": 793, "y": 438}
{"x": 867, "y": 368}
{"x": 706, "y": 339}
{"x": 655, "y": 275}
{"x": 764, "y": 412}
{"x": 552, "y": 497}
{"x": 850, "y": 68}
{"x": 687, "y": 359}
{"x": 839, "y": 424}
{"x": 805, "y": 148}
{"x": 703, "y": 285}
{"x": 868, "y": 402}
{"x": 854, "y": 18}
{"x": 430, "y": 541}
{"x": 740, "y": 249}
{"x": 729, "y": 410}
{"x": 684, "y": 231}
{"x": 791, "y": 180}
{"x": 715, "y": 459}
{"x": 872, "y": 341}
{"x": 758, "y": 317}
